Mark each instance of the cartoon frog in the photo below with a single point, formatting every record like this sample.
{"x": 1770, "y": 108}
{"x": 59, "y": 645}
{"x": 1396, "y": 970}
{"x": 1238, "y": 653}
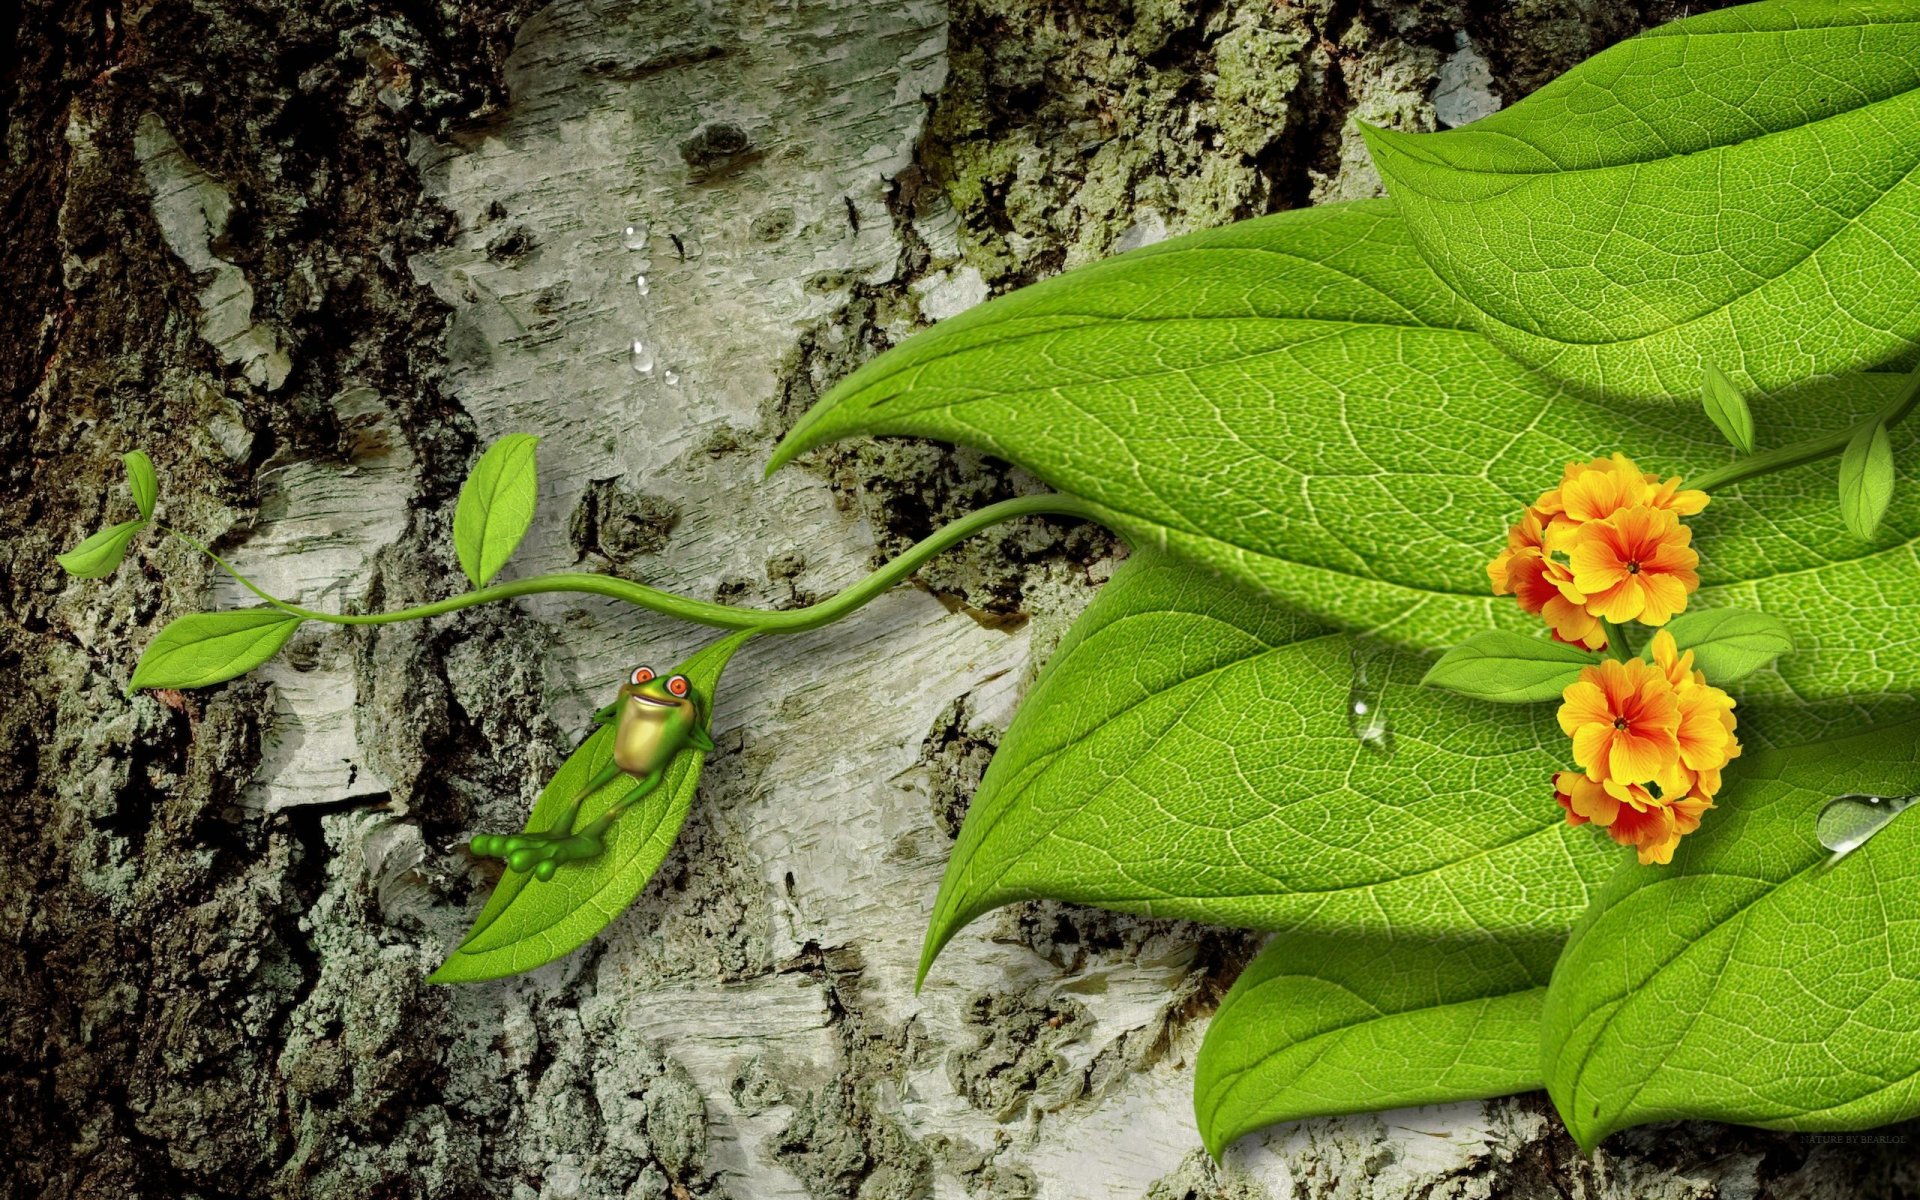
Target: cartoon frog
{"x": 655, "y": 720}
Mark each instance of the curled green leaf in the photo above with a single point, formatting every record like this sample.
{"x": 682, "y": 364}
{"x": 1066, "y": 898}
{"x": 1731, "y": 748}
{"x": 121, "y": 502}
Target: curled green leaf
{"x": 496, "y": 506}
{"x": 528, "y": 922}
{"x": 1730, "y": 644}
{"x": 1321, "y": 1024}
{"x": 1727, "y": 407}
{"x": 1508, "y": 668}
{"x": 1866, "y": 479}
{"x": 142, "y": 480}
{"x": 208, "y": 648}
{"x": 1754, "y": 980}
{"x": 1735, "y": 188}
{"x": 1194, "y": 750}
{"x": 99, "y": 555}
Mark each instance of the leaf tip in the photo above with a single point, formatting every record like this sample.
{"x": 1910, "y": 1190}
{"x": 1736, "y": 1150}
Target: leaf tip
{"x": 940, "y": 930}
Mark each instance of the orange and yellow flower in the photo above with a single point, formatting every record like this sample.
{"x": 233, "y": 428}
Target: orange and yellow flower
{"x": 1650, "y": 740}
{"x": 1624, "y": 719}
{"x": 1635, "y": 565}
{"x": 1652, "y": 827}
{"x": 1705, "y": 735}
{"x": 1524, "y": 571}
{"x": 1605, "y": 545}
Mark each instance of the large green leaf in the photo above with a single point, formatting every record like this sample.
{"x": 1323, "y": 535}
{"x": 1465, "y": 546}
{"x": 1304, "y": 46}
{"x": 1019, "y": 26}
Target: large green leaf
{"x": 1318, "y": 1025}
{"x": 527, "y": 922}
{"x": 1189, "y": 752}
{"x": 1752, "y": 981}
{"x": 1296, "y": 401}
{"x": 1739, "y": 189}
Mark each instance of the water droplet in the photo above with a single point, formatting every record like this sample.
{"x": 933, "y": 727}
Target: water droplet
{"x": 642, "y": 357}
{"x": 634, "y": 237}
{"x": 672, "y": 377}
{"x": 1846, "y": 823}
{"x": 1366, "y": 717}
{"x": 640, "y": 281}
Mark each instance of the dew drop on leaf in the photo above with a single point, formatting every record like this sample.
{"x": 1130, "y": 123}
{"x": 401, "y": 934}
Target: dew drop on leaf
{"x": 1846, "y": 823}
{"x": 1366, "y": 716}
{"x": 642, "y": 357}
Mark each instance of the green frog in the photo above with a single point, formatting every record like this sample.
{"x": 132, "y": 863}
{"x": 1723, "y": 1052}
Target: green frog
{"x": 655, "y": 719}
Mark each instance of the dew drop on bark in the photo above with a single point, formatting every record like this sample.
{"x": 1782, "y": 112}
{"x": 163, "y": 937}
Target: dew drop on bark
{"x": 634, "y": 237}
{"x": 640, "y": 282}
{"x": 1846, "y": 823}
{"x": 642, "y": 357}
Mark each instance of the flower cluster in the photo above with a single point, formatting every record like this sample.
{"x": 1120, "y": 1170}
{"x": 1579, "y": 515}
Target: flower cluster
{"x": 1650, "y": 739}
{"x": 1606, "y": 545}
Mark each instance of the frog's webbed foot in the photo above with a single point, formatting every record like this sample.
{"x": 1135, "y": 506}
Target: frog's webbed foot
{"x": 542, "y": 853}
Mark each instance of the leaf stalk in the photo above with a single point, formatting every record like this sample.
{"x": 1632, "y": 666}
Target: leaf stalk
{"x": 1813, "y": 449}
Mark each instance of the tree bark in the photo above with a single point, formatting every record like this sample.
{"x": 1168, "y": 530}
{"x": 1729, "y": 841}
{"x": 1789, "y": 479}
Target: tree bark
{"x": 312, "y": 257}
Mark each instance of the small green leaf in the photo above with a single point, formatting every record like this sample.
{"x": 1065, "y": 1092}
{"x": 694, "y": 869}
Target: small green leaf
{"x": 1191, "y": 750}
{"x": 527, "y": 923}
{"x": 1323, "y": 1024}
{"x": 1727, "y": 407}
{"x": 1508, "y": 668}
{"x": 1754, "y": 980}
{"x": 1730, "y": 644}
{"x": 208, "y": 648}
{"x": 1866, "y": 479}
{"x": 97, "y": 557}
{"x": 141, "y": 480}
{"x": 496, "y": 506}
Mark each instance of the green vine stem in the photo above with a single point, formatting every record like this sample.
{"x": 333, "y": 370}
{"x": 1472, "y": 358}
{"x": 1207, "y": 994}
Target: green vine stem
{"x": 700, "y": 612}
{"x": 1617, "y": 642}
{"x": 1813, "y": 449}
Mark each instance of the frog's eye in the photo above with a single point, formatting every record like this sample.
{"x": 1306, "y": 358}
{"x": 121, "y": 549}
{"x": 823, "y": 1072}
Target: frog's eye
{"x": 641, "y": 675}
{"x": 677, "y": 685}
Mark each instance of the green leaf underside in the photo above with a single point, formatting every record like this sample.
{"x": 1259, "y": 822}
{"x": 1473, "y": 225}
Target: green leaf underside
{"x": 496, "y": 506}
{"x": 1730, "y": 644}
{"x": 1294, "y": 401}
{"x": 1186, "y": 753}
{"x": 527, "y": 923}
{"x": 1751, "y": 982}
{"x": 142, "y": 481}
{"x": 1317, "y": 1026}
{"x": 1866, "y": 479}
{"x": 202, "y": 649}
{"x": 1740, "y": 189}
{"x": 1508, "y": 668}
{"x": 1728, "y": 410}
{"x": 100, "y": 554}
